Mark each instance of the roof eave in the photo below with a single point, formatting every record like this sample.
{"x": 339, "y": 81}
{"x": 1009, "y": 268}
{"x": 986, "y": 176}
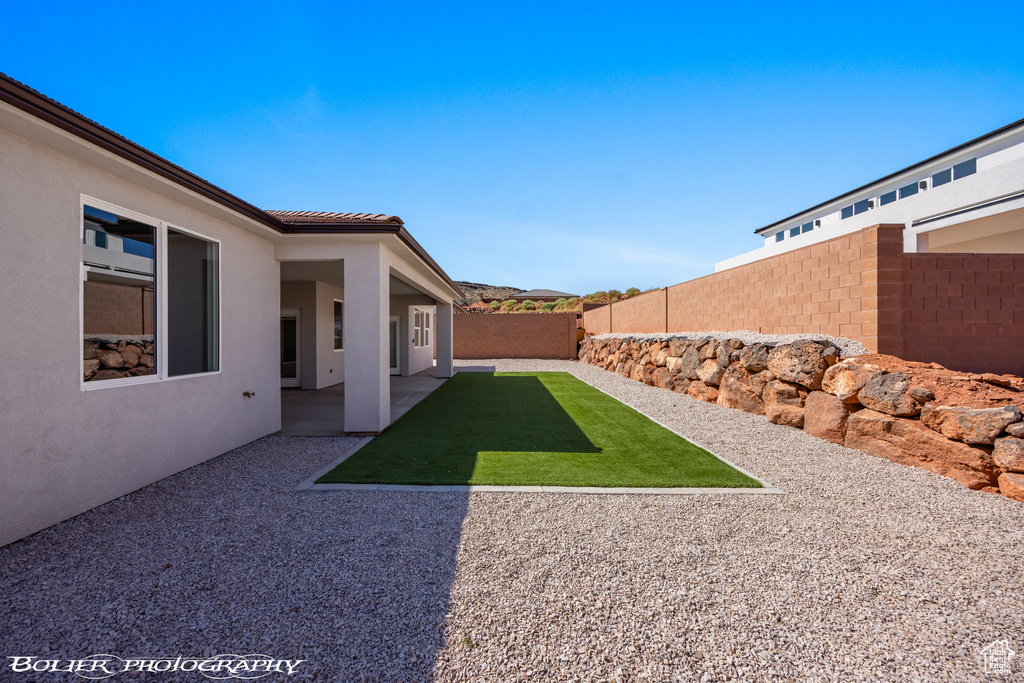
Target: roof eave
{"x": 930, "y": 160}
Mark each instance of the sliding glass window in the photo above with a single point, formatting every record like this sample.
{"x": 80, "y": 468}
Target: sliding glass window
{"x": 193, "y": 318}
{"x": 118, "y": 296}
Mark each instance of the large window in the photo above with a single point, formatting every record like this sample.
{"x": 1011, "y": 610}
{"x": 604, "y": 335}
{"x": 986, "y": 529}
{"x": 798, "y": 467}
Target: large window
{"x": 150, "y": 299}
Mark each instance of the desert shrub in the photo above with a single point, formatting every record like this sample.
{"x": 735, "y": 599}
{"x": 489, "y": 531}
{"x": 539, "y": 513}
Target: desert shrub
{"x": 614, "y": 294}
{"x": 573, "y": 301}
{"x": 632, "y": 291}
{"x": 495, "y": 305}
{"x": 529, "y": 305}
{"x": 561, "y": 302}
{"x": 601, "y": 296}
{"x": 509, "y": 305}
{"x": 548, "y": 305}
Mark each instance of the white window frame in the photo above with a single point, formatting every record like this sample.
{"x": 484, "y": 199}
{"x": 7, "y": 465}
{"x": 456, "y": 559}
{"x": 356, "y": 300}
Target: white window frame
{"x": 160, "y": 300}
{"x": 421, "y": 327}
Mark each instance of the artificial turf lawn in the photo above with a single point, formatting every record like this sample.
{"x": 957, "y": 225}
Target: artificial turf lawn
{"x": 530, "y": 429}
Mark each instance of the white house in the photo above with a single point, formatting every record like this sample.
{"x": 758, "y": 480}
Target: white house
{"x": 148, "y": 318}
{"x": 969, "y": 199}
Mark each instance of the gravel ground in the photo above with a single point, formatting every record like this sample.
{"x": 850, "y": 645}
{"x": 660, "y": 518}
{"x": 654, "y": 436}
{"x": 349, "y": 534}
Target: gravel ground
{"x": 864, "y": 570}
{"x": 849, "y": 347}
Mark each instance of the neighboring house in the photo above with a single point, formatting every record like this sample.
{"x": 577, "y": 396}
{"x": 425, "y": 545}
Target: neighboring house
{"x": 536, "y": 295}
{"x": 969, "y": 199}
{"x": 150, "y": 318}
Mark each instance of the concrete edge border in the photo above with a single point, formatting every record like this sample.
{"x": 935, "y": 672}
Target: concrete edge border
{"x": 309, "y": 484}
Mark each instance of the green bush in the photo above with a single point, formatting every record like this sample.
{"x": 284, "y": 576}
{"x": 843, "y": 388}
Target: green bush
{"x": 561, "y": 302}
{"x": 598, "y": 295}
{"x": 529, "y": 305}
{"x": 573, "y": 301}
{"x": 614, "y": 294}
{"x": 495, "y": 305}
{"x": 509, "y": 305}
{"x": 548, "y": 305}
{"x": 632, "y": 291}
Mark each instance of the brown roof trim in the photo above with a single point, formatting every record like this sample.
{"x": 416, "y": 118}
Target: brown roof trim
{"x": 32, "y": 102}
{"x": 35, "y": 103}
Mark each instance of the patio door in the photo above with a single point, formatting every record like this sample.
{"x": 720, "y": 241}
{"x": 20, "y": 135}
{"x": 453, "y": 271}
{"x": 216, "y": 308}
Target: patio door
{"x": 396, "y": 357}
{"x": 290, "y": 349}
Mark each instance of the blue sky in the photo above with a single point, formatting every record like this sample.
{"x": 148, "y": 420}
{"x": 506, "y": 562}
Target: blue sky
{"x": 572, "y": 146}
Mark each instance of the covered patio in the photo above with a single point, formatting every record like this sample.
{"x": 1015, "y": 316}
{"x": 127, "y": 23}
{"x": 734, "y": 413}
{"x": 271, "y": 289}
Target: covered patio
{"x": 321, "y": 412}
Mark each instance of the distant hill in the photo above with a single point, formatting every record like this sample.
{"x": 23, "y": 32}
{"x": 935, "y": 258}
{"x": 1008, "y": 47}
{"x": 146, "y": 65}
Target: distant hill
{"x": 476, "y": 291}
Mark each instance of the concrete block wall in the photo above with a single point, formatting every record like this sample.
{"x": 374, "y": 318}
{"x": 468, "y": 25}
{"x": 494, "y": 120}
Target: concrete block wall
{"x": 965, "y": 311}
{"x": 117, "y": 309}
{"x": 512, "y": 335}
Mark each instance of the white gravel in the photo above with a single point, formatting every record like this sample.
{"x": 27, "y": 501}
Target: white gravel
{"x": 866, "y": 570}
{"x": 849, "y": 347}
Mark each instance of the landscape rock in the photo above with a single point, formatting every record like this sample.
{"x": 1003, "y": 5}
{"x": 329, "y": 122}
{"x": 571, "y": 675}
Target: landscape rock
{"x": 131, "y": 355}
{"x": 107, "y": 374}
{"x": 710, "y": 372}
{"x": 755, "y": 358}
{"x": 109, "y": 359}
{"x": 845, "y": 379}
{"x": 921, "y": 395}
{"x": 1011, "y": 485}
{"x": 674, "y": 364}
{"x": 802, "y": 362}
{"x": 759, "y": 380}
{"x": 702, "y": 392}
{"x": 663, "y": 378}
{"x": 831, "y": 355}
{"x": 825, "y": 416}
{"x": 691, "y": 362}
{"x": 89, "y": 367}
{"x": 710, "y": 350}
{"x": 1009, "y": 454}
{"x": 734, "y": 391}
{"x": 911, "y": 443}
{"x": 785, "y": 414}
{"x": 980, "y": 426}
{"x": 889, "y": 394}
{"x": 998, "y": 380}
{"x": 1016, "y": 429}
{"x": 677, "y": 347}
{"x": 89, "y": 349}
{"x": 786, "y": 393}
{"x": 680, "y": 385}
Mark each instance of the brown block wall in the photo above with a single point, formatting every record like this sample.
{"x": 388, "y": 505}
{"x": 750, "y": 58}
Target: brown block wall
{"x": 510, "y": 335}
{"x": 847, "y": 287}
{"x": 644, "y": 313}
{"x": 597, "y": 320}
{"x": 965, "y": 311}
{"x": 117, "y": 309}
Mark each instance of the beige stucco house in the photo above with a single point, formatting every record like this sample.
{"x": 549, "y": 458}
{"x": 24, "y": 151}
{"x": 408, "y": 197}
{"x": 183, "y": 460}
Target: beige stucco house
{"x": 148, "y": 318}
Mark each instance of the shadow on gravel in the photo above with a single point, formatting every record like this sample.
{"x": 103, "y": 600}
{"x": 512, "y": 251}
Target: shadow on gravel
{"x": 225, "y": 558}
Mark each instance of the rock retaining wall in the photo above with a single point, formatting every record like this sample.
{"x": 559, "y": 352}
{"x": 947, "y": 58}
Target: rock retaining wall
{"x": 114, "y": 357}
{"x": 877, "y": 404}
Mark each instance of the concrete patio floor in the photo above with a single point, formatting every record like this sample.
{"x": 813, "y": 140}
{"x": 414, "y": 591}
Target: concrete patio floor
{"x": 321, "y": 412}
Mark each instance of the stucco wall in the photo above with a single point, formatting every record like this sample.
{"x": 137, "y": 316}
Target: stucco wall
{"x": 66, "y": 450}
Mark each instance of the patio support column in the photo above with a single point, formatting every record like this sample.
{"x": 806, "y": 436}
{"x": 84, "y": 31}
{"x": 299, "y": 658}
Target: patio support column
{"x": 443, "y": 339}
{"x": 367, "y": 381}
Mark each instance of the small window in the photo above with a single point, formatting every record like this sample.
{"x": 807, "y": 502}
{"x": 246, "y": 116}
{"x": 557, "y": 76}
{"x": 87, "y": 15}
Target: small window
{"x": 847, "y": 212}
{"x": 942, "y": 177}
{"x": 421, "y": 328}
{"x": 781, "y": 235}
{"x": 793, "y": 232}
{"x": 908, "y": 190}
{"x": 861, "y": 206}
{"x": 807, "y": 227}
{"x": 888, "y": 198}
{"x": 962, "y": 170}
{"x": 339, "y": 336}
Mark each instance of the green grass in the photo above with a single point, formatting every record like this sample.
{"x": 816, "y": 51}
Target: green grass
{"x": 529, "y": 429}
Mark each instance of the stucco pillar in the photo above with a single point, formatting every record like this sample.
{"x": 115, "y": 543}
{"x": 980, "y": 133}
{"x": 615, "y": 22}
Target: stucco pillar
{"x": 367, "y": 381}
{"x": 443, "y": 340}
